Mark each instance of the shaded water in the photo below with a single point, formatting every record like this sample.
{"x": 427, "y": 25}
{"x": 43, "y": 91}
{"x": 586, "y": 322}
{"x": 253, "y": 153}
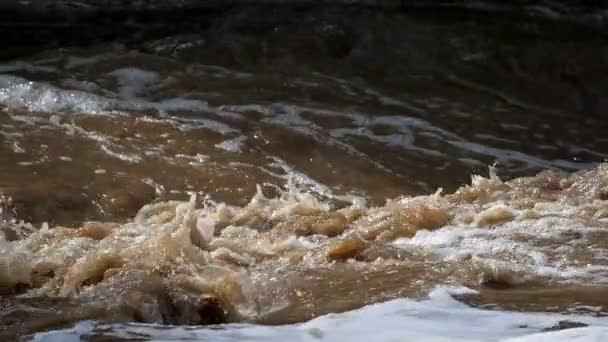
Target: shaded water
{"x": 241, "y": 174}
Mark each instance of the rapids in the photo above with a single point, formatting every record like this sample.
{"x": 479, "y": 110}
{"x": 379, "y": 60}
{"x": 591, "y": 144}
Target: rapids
{"x": 274, "y": 259}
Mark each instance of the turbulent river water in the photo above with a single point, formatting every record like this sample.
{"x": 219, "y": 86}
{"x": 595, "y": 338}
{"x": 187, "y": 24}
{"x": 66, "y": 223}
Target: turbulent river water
{"x": 307, "y": 174}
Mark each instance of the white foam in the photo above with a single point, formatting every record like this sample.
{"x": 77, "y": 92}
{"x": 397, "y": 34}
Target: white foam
{"x": 502, "y": 247}
{"x": 17, "y": 148}
{"x": 74, "y": 334}
{"x": 232, "y": 145}
{"x": 440, "y": 318}
{"x": 187, "y": 124}
{"x": 194, "y": 160}
{"x": 297, "y": 181}
{"x": 19, "y": 93}
{"x": 39, "y": 97}
{"x": 176, "y": 104}
{"x": 134, "y": 81}
{"x": 127, "y": 157}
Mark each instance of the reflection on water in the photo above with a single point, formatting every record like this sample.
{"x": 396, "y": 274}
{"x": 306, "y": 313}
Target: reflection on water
{"x": 293, "y": 135}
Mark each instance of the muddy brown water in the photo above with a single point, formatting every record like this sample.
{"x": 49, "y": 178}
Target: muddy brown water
{"x": 348, "y": 123}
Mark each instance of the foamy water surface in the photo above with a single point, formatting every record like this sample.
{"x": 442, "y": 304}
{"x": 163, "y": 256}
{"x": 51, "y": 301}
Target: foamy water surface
{"x": 231, "y": 186}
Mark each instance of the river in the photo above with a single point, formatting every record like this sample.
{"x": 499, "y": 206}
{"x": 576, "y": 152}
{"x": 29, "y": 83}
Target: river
{"x": 308, "y": 174}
